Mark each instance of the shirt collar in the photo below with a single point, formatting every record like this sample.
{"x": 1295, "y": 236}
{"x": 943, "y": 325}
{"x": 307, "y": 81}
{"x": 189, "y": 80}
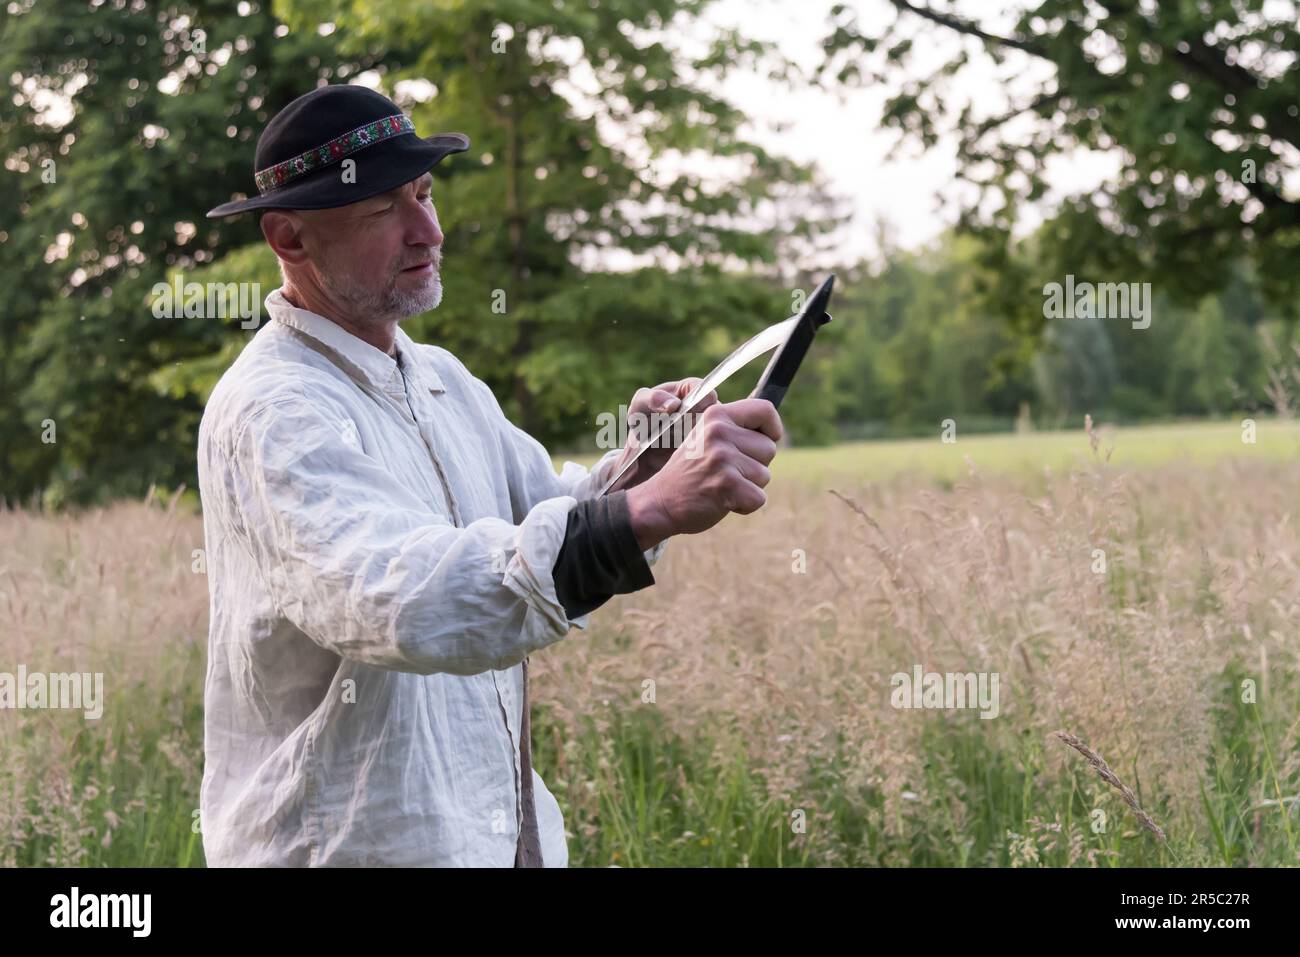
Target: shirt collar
{"x": 363, "y": 361}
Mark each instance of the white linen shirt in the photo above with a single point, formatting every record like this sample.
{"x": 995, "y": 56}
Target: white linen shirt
{"x": 379, "y": 545}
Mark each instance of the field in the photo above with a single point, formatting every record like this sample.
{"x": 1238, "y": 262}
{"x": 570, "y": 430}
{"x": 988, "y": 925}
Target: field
{"x": 739, "y": 712}
{"x": 1195, "y": 443}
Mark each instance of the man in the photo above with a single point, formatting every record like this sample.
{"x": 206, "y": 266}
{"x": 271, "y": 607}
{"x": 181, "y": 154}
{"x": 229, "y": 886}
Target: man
{"x": 385, "y": 549}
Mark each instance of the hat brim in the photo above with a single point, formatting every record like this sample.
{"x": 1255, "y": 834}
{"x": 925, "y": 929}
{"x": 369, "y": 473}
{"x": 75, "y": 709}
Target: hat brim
{"x": 379, "y": 168}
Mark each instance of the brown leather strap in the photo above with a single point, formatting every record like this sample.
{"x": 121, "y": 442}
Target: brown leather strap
{"x": 528, "y": 852}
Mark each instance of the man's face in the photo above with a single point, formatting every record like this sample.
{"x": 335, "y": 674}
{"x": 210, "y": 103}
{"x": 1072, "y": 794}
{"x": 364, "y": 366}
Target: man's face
{"x": 379, "y": 259}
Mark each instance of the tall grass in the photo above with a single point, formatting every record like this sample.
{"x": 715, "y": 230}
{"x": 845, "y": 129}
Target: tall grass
{"x": 113, "y": 591}
{"x": 767, "y": 737}
{"x": 772, "y": 685}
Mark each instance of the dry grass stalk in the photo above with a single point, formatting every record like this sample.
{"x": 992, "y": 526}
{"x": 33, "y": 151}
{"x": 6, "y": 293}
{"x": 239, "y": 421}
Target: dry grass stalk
{"x": 1109, "y": 777}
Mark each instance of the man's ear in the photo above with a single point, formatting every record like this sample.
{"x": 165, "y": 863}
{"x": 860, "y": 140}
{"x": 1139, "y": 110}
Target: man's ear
{"x": 283, "y": 231}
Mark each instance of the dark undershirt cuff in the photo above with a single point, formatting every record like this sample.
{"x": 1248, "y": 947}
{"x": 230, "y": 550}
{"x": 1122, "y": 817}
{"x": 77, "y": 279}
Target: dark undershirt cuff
{"x": 600, "y": 557}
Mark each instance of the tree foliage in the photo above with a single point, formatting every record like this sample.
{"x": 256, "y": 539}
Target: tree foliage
{"x": 594, "y": 137}
{"x": 1199, "y": 100}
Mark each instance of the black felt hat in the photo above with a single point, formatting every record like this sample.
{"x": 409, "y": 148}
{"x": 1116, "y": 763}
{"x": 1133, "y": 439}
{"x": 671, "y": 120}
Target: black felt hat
{"x": 300, "y": 154}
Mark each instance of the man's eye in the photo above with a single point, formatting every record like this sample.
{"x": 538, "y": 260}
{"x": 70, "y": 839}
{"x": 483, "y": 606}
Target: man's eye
{"x": 381, "y": 211}
{"x": 424, "y": 197}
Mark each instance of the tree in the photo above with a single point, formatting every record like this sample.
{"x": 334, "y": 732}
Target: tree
{"x": 919, "y": 349}
{"x": 1075, "y": 369}
{"x": 125, "y": 124}
{"x": 1198, "y": 100}
{"x": 593, "y": 132}
{"x": 586, "y": 120}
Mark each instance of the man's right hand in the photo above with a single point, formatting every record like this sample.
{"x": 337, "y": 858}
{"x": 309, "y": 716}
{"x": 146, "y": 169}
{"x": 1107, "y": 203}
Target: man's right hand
{"x": 721, "y": 467}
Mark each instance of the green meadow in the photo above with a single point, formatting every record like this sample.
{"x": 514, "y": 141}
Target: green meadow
{"x": 739, "y": 712}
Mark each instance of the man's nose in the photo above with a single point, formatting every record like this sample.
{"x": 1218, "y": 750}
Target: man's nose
{"x": 423, "y": 229}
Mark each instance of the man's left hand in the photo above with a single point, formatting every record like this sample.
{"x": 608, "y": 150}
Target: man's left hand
{"x": 653, "y": 407}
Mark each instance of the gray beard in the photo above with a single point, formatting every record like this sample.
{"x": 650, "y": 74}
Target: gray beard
{"x": 389, "y": 304}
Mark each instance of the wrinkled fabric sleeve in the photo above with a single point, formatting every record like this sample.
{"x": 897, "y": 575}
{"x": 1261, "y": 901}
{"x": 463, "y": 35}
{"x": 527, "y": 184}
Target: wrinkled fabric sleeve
{"x": 536, "y": 479}
{"x": 366, "y": 569}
